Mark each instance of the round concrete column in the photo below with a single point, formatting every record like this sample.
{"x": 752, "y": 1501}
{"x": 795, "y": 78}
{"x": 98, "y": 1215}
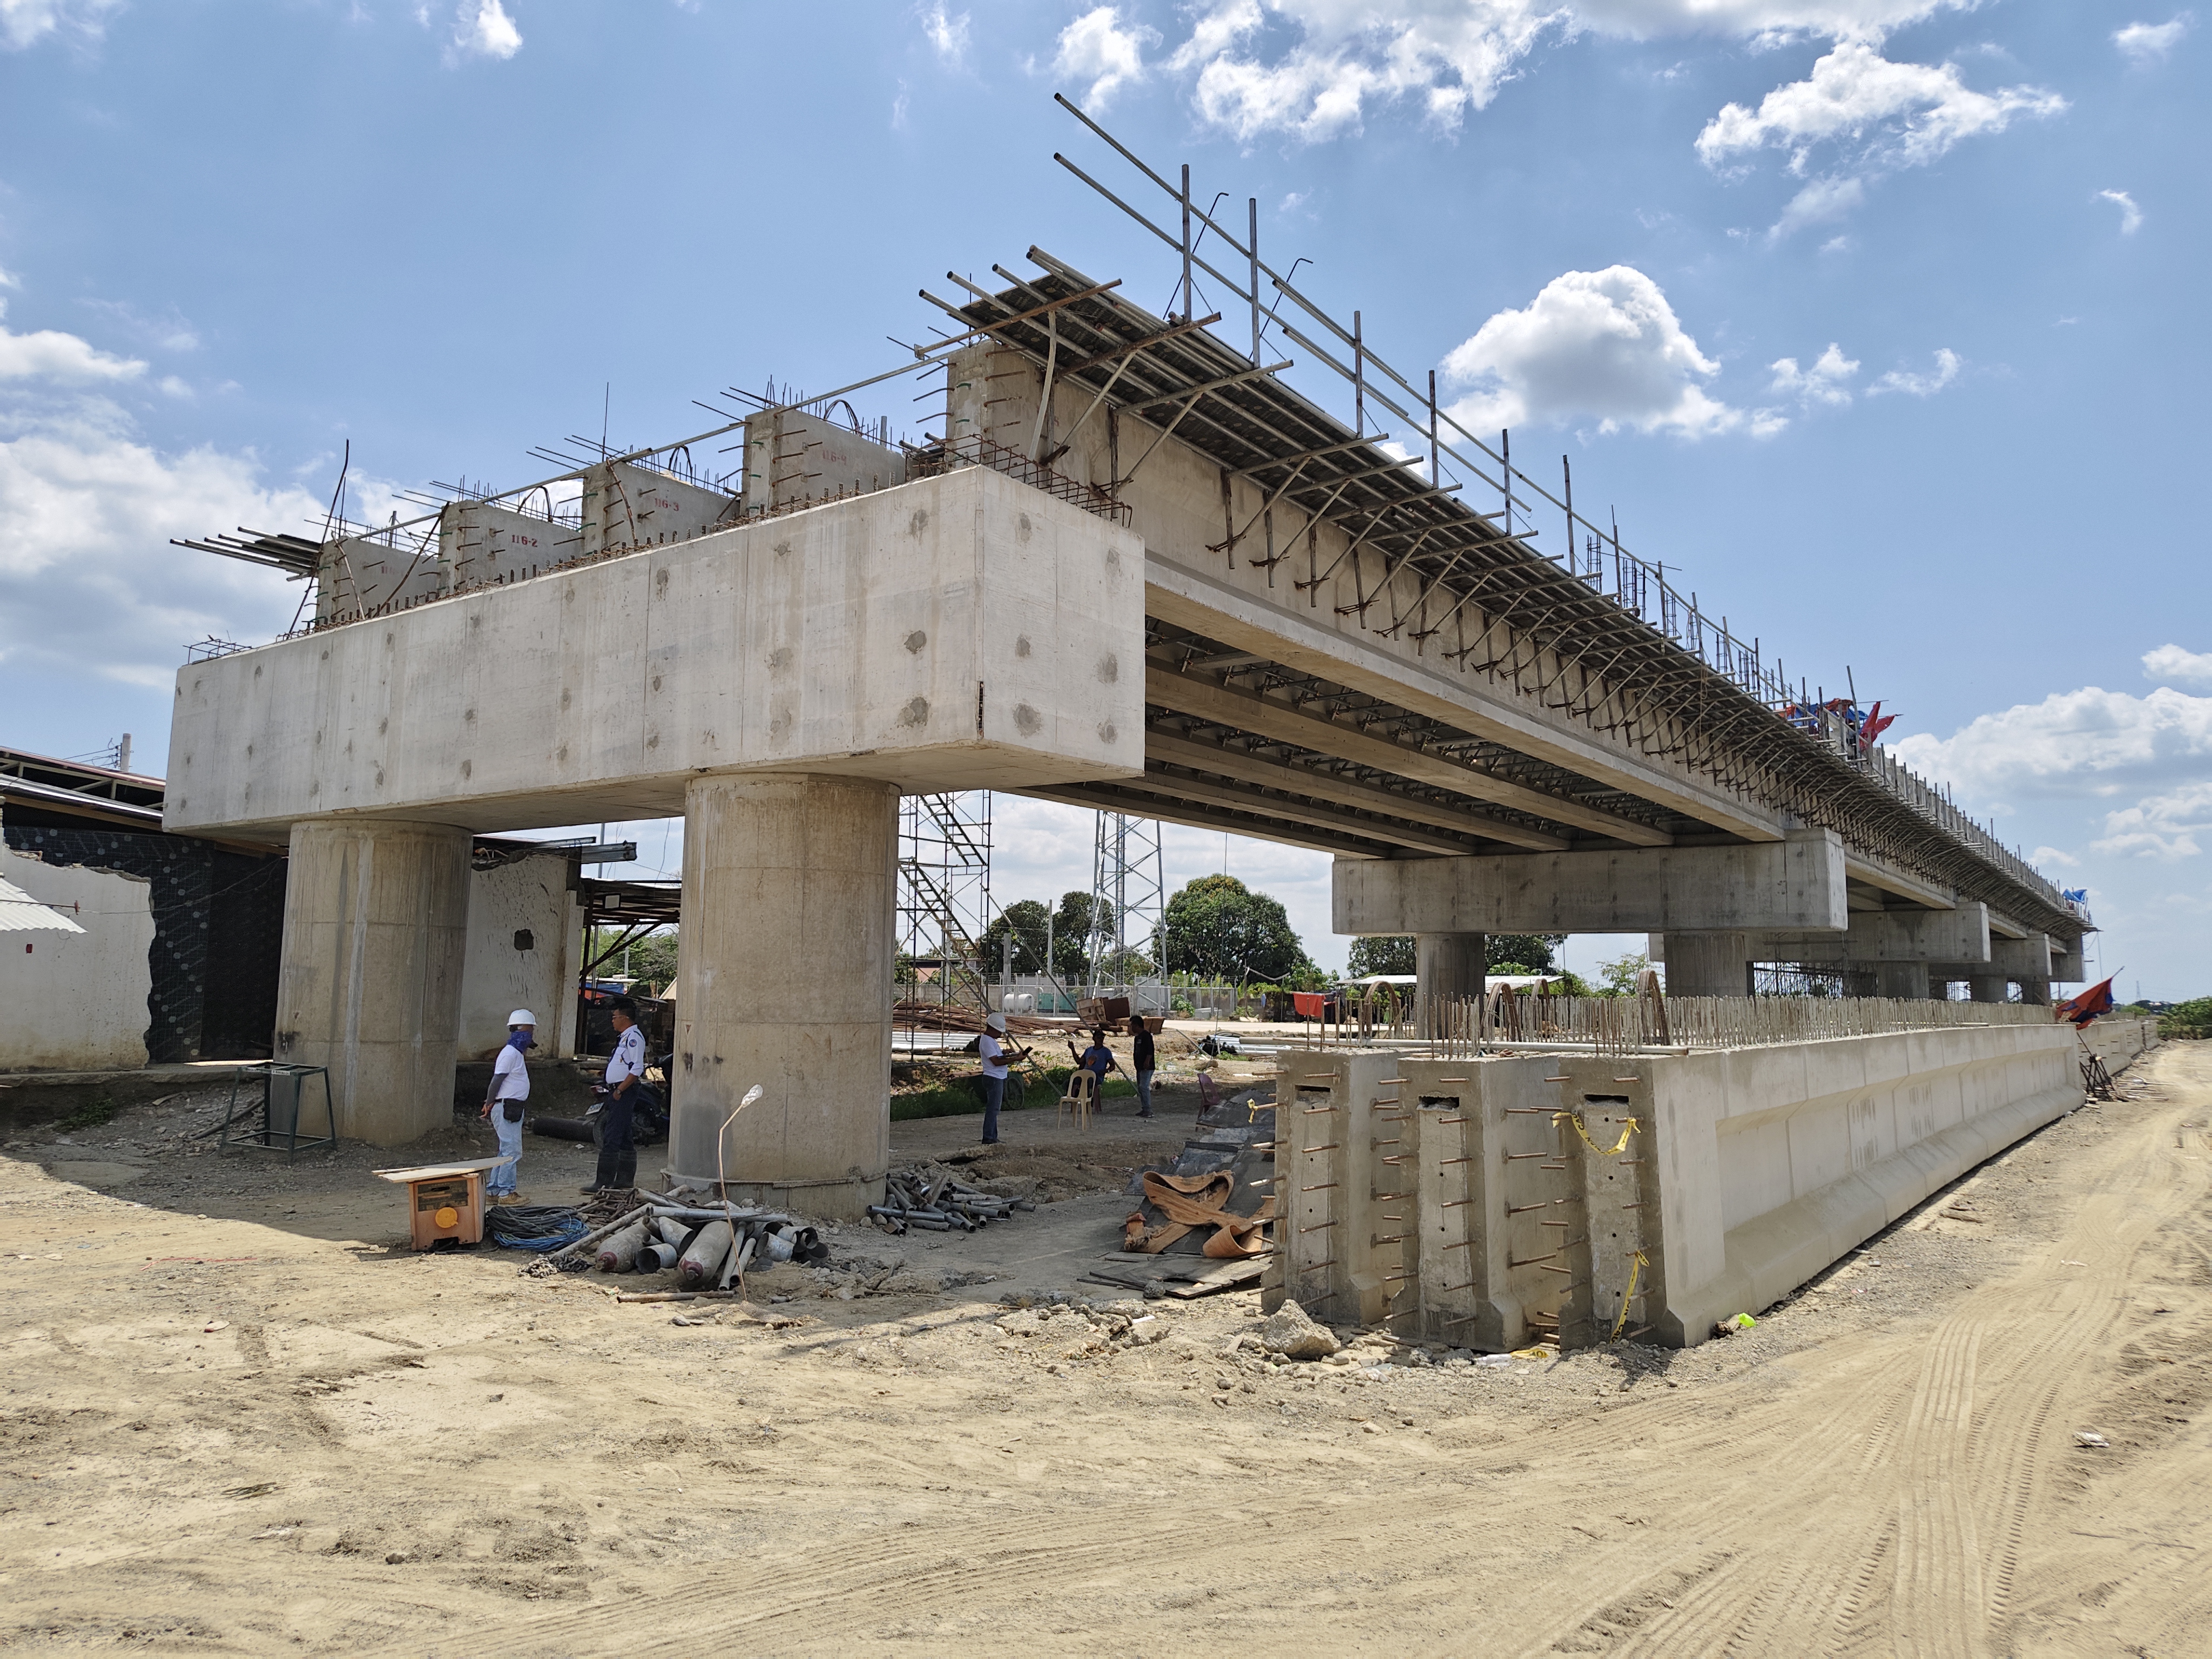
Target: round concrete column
{"x": 2036, "y": 991}
{"x": 375, "y": 934}
{"x": 1708, "y": 964}
{"x": 1990, "y": 987}
{"x": 1908, "y": 980}
{"x": 1450, "y": 967}
{"x": 784, "y": 978}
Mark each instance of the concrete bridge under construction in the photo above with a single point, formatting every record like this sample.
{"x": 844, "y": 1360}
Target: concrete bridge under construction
{"x": 1135, "y": 570}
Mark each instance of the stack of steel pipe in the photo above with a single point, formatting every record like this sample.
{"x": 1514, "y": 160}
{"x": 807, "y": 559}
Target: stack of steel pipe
{"x": 913, "y": 1198}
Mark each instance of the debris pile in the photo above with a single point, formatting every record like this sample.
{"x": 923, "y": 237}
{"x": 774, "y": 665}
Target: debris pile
{"x": 931, "y": 1196}
{"x": 707, "y": 1246}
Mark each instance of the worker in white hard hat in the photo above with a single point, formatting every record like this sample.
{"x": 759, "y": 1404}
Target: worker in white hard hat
{"x": 503, "y": 1098}
{"x": 991, "y": 1049}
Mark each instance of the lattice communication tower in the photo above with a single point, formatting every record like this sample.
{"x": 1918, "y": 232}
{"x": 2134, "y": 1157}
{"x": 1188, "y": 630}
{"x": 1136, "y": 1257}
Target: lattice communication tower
{"x": 1127, "y": 901}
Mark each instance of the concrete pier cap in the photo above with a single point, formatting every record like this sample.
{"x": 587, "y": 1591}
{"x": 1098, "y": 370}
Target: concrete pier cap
{"x": 784, "y": 680}
{"x": 1795, "y": 884}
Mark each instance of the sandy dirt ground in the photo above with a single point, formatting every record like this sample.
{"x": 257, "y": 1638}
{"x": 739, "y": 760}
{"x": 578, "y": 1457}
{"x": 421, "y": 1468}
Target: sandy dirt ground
{"x": 238, "y": 1416}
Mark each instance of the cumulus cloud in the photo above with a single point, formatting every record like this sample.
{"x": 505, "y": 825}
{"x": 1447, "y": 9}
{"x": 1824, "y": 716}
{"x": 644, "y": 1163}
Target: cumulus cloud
{"x": 2131, "y": 216}
{"x": 88, "y": 584}
{"x": 1948, "y": 364}
{"x": 1314, "y": 68}
{"x": 2171, "y": 662}
{"x": 1897, "y": 114}
{"x": 1446, "y": 56}
{"x": 947, "y": 35}
{"x": 2090, "y": 742}
{"x": 1602, "y": 345}
{"x": 25, "y": 23}
{"x": 2143, "y": 44}
{"x": 1825, "y": 383}
{"x": 1817, "y": 203}
{"x": 47, "y": 353}
{"x": 2163, "y": 826}
{"x": 1098, "y": 48}
{"x": 481, "y": 29}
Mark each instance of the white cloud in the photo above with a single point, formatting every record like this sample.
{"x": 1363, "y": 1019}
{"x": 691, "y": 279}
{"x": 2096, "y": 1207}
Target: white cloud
{"x": 1825, "y": 382}
{"x": 1817, "y": 203}
{"x": 2163, "y": 826}
{"x": 2059, "y": 856}
{"x": 1947, "y": 364}
{"x": 1600, "y": 344}
{"x": 2143, "y": 44}
{"x": 47, "y": 353}
{"x": 89, "y": 586}
{"x": 948, "y": 34}
{"x": 1313, "y": 68}
{"x": 1099, "y": 49}
{"x": 2090, "y": 742}
{"x": 481, "y": 29}
{"x": 2131, "y": 216}
{"x": 25, "y": 23}
{"x": 2171, "y": 662}
{"x": 1906, "y": 114}
{"x": 1450, "y": 56}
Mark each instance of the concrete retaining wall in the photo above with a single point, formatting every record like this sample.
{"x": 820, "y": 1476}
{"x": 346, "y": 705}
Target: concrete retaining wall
{"x": 2120, "y": 1042}
{"x": 1489, "y": 1201}
{"x": 76, "y": 1001}
{"x": 529, "y": 898}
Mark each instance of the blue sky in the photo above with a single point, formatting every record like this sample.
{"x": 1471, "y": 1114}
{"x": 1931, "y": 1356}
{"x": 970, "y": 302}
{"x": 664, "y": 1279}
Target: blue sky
{"x": 1873, "y": 317}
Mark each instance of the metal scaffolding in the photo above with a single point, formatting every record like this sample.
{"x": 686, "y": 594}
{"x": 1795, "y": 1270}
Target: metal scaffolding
{"x": 1127, "y": 902}
{"x": 943, "y": 899}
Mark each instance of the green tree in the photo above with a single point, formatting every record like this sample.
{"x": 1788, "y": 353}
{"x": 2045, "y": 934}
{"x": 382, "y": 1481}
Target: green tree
{"x": 1218, "y": 929}
{"x": 1523, "y": 953}
{"x": 1071, "y": 935}
{"x": 1379, "y": 953}
{"x": 1025, "y": 920}
{"x": 1619, "y": 976}
{"x": 651, "y": 959}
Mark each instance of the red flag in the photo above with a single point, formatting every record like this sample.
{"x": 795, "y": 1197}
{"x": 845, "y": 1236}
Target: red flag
{"x": 1874, "y": 725}
{"x": 2086, "y": 1006}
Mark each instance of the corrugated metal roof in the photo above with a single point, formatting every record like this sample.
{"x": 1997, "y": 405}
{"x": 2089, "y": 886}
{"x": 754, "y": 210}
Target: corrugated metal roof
{"x": 21, "y": 914}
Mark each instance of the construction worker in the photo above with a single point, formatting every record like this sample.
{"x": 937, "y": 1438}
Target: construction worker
{"x": 991, "y": 1049}
{"x": 503, "y": 1098}
{"x": 1140, "y": 1062}
{"x": 617, "y": 1151}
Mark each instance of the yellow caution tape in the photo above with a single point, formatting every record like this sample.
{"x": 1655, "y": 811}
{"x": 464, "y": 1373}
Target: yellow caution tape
{"x": 1637, "y": 1266}
{"x": 1614, "y": 1151}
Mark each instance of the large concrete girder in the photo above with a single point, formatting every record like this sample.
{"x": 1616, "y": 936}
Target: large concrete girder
{"x": 960, "y": 632}
{"x": 1244, "y": 798}
{"x": 1321, "y": 786}
{"x": 1271, "y": 717}
{"x": 1796, "y": 884}
{"x": 1134, "y": 797}
{"x": 1900, "y": 936}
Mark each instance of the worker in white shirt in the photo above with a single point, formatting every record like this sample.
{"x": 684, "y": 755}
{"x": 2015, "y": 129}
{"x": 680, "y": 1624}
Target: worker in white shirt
{"x": 618, "y": 1151}
{"x": 992, "y": 1050}
{"x": 503, "y": 1098}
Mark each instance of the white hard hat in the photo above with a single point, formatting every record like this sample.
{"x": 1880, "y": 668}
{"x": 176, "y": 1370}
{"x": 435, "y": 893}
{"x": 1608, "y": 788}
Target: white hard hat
{"x": 522, "y": 1016}
{"x": 995, "y": 1022}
